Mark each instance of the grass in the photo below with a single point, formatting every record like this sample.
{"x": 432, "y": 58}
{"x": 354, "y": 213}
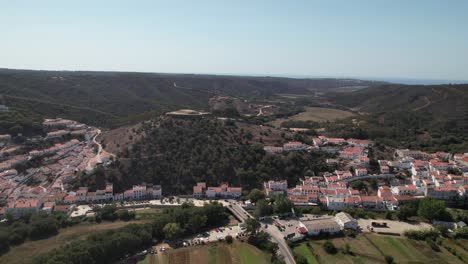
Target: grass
{"x": 241, "y": 253}
{"x": 304, "y": 250}
{"x": 317, "y": 114}
{"x": 249, "y": 254}
{"x": 26, "y": 252}
{"x": 372, "y": 248}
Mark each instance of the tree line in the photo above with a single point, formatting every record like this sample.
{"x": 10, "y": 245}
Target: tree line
{"x": 111, "y": 246}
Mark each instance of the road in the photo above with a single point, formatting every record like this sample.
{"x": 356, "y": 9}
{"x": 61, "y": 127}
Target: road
{"x": 98, "y": 155}
{"x": 275, "y": 234}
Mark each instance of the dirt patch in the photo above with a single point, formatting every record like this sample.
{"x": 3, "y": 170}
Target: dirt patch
{"x": 316, "y": 114}
{"x": 116, "y": 140}
{"x": 264, "y": 134}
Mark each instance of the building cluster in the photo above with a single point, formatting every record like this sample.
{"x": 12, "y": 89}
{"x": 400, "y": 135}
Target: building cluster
{"x": 223, "y": 191}
{"x": 312, "y": 225}
{"x": 59, "y": 127}
{"x": 41, "y": 200}
{"x": 431, "y": 175}
{"x": 56, "y": 164}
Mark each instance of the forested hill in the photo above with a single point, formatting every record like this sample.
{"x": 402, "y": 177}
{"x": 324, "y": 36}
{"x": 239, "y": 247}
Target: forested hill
{"x": 104, "y": 98}
{"x": 178, "y": 153}
{"x": 446, "y": 101}
{"x": 431, "y": 118}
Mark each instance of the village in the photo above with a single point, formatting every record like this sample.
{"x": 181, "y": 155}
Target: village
{"x": 73, "y": 149}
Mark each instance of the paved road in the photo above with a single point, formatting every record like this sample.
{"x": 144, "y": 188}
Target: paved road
{"x": 278, "y": 237}
{"x": 275, "y": 234}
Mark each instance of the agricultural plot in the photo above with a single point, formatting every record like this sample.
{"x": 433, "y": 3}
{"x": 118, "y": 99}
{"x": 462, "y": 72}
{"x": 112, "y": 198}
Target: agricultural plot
{"x": 241, "y": 253}
{"x": 371, "y": 248}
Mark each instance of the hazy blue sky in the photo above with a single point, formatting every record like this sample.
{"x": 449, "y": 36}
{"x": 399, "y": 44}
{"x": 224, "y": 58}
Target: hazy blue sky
{"x": 376, "y": 38}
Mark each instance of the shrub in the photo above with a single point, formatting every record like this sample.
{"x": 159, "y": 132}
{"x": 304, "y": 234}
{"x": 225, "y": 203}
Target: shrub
{"x": 432, "y": 244}
{"x": 432, "y": 234}
{"x": 300, "y": 259}
{"x": 229, "y": 239}
{"x": 329, "y": 247}
{"x": 389, "y": 260}
{"x": 346, "y": 248}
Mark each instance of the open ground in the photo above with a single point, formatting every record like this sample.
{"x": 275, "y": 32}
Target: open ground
{"x": 238, "y": 252}
{"x": 317, "y": 114}
{"x": 25, "y": 252}
{"x": 372, "y": 248}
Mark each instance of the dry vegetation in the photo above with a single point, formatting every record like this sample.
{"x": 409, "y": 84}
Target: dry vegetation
{"x": 25, "y": 252}
{"x": 316, "y": 114}
{"x": 118, "y": 139}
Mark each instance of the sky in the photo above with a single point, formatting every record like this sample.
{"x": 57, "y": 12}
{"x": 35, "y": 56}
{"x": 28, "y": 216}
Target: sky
{"x": 416, "y": 39}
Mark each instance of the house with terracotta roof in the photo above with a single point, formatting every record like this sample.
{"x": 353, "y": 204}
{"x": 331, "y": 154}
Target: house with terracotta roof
{"x": 360, "y": 172}
{"x": 372, "y": 202}
{"x": 384, "y": 169}
{"x": 294, "y": 145}
{"x": 405, "y": 190}
{"x": 272, "y": 149}
{"x": 335, "y": 203}
{"x": 198, "y": 190}
{"x": 23, "y": 206}
{"x": 443, "y": 193}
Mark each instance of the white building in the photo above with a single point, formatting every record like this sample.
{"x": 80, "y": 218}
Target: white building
{"x": 346, "y": 221}
{"x": 275, "y": 187}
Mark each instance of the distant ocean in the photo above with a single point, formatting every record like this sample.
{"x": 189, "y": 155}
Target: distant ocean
{"x": 383, "y": 79}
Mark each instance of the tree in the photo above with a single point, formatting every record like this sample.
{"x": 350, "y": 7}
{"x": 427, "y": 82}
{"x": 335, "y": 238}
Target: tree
{"x": 282, "y": 205}
{"x": 388, "y": 215}
{"x": 329, "y": 247}
{"x": 256, "y": 195}
{"x": 196, "y": 223}
{"x": 172, "y": 231}
{"x": 432, "y": 209}
{"x": 251, "y": 226}
{"x": 229, "y": 239}
{"x": 262, "y": 240}
{"x": 42, "y": 226}
{"x": 406, "y": 211}
{"x": 3, "y": 241}
{"x": 262, "y": 208}
{"x": 359, "y": 185}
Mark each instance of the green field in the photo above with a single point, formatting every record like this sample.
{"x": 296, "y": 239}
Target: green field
{"x": 25, "y": 252}
{"x": 317, "y": 114}
{"x": 241, "y": 253}
{"x": 371, "y": 248}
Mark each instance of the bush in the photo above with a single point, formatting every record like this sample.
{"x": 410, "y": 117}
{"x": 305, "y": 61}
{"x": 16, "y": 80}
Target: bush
{"x": 329, "y": 247}
{"x": 346, "y": 248}
{"x": 300, "y": 259}
{"x": 389, "y": 260}
{"x": 432, "y": 244}
{"x": 423, "y": 234}
{"x": 349, "y": 232}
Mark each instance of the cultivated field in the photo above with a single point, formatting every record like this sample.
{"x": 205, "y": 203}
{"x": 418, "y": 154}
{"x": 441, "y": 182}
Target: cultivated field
{"x": 238, "y": 253}
{"x": 25, "y": 252}
{"x": 317, "y": 114}
{"x": 371, "y": 248}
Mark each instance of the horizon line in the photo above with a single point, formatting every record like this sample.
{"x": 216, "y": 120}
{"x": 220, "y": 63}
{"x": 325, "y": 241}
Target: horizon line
{"x": 396, "y": 80}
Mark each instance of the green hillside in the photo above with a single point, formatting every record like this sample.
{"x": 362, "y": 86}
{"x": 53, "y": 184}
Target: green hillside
{"x": 109, "y": 98}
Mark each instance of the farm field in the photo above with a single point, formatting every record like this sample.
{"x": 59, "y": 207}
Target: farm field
{"x": 370, "y": 248}
{"x": 241, "y": 253}
{"x": 317, "y": 114}
{"x": 25, "y": 252}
